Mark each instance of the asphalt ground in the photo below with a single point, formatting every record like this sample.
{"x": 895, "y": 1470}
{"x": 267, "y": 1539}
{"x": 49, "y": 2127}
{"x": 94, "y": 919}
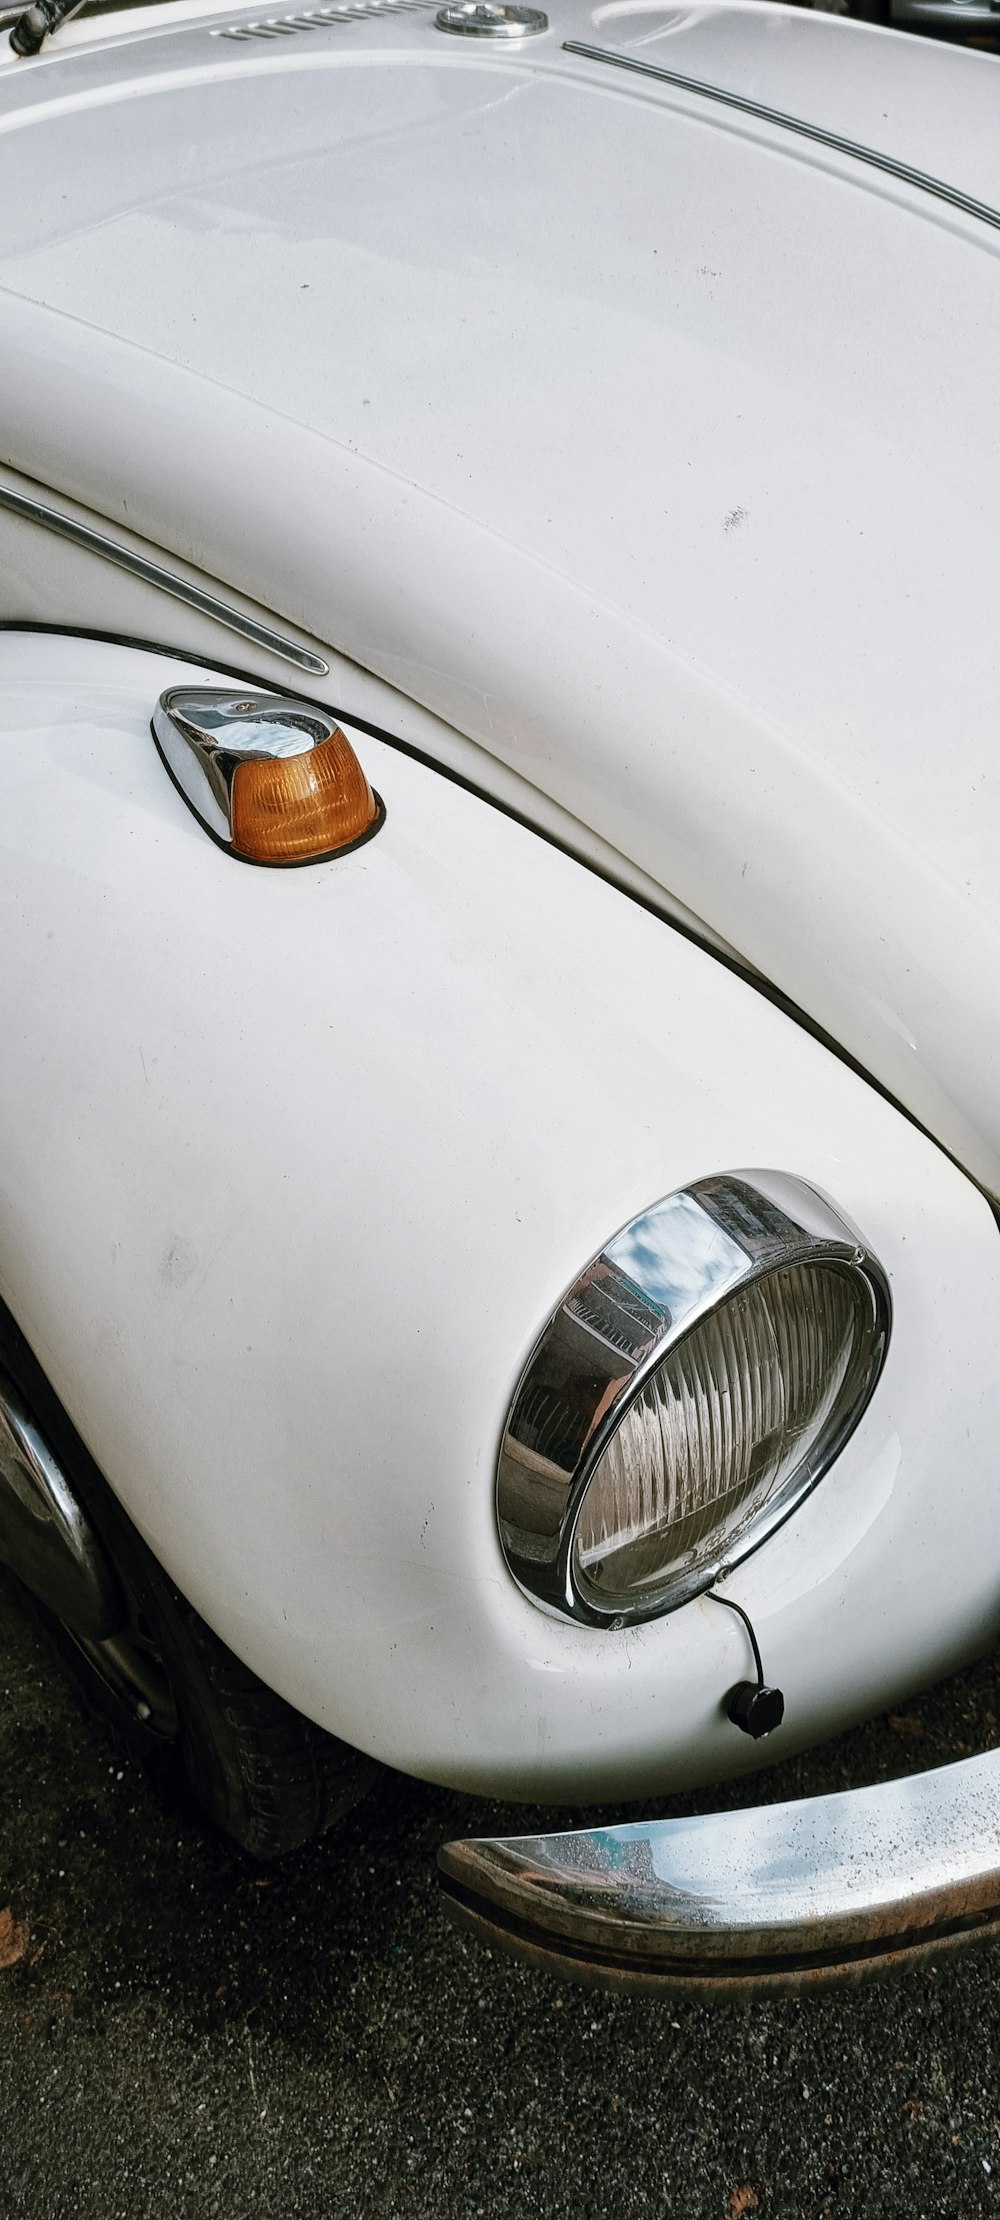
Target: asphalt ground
{"x": 185, "y": 2034}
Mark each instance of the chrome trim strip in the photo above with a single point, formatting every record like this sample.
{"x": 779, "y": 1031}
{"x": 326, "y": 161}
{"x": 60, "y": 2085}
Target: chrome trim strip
{"x": 650, "y": 1286}
{"x": 140, "y": 566}
{"x": 46, "y": 1537}
{"x": 853, "y": 147}
{"x": 782, "y": 1896}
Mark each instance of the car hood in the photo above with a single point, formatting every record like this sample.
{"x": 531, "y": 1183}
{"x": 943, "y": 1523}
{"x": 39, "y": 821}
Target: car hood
{"x": 648, "y": 441}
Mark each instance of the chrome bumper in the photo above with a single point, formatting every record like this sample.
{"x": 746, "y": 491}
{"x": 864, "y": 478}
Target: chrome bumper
{"x": 783, "y": 1896}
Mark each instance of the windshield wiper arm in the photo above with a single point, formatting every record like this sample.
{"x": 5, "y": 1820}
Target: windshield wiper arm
{"x": 38, "y": 21}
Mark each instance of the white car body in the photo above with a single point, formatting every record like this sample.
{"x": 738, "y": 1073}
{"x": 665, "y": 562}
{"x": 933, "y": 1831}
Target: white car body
{"x": 622, "y": 452}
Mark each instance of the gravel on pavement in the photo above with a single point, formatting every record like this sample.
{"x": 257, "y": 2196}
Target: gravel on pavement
{"x": 182, "y": 2033}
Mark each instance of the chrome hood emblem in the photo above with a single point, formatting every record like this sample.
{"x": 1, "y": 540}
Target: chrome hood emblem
{"x": 490, "y": 19}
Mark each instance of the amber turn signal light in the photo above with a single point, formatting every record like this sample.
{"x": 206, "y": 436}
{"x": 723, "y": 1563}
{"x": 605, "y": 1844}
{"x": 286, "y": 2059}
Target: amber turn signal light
{"x": 273, "y": 780}
{"x": 287, "y": 808}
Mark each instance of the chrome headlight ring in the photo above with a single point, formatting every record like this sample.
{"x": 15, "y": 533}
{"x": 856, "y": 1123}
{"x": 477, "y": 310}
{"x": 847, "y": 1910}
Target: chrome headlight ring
{"x": 728, "y": 1339}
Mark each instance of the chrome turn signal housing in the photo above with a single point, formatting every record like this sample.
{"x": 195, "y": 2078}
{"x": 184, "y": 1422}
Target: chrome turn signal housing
{"x": 690, "y": 1390}
{"x": 272, "y": 779}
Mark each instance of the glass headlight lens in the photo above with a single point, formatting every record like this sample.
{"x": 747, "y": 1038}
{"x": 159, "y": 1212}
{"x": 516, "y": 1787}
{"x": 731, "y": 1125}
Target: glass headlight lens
{"x": 737, "y": 1411}
{"x": 693, "y": 1385}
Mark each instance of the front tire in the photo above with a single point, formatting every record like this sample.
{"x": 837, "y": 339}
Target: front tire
{"x": 173, "y": 1692}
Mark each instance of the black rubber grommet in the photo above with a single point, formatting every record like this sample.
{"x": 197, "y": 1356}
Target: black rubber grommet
{"x": 756, "y": 1710}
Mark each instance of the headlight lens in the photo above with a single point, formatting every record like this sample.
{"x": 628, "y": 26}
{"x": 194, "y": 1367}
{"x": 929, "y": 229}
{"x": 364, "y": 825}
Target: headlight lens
{"x": 692, "y": 1387}
{"x": 709, "y": 1444}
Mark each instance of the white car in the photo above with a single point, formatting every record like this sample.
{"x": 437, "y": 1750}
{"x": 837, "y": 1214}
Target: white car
{"x": 517, "y": 1297}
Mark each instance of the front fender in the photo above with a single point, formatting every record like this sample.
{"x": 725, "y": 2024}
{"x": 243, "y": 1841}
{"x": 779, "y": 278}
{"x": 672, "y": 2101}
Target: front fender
{"x": 293, "y": 1167}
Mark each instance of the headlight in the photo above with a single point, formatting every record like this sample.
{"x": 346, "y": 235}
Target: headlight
{"x": 695, "y": 1383}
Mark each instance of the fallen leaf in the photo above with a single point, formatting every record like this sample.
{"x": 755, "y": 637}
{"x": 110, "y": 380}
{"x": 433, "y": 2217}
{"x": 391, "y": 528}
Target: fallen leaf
{"x": 13, "y": 1937}
{"x": 742, "y": 2200}
{"x": 914, "y": 2108}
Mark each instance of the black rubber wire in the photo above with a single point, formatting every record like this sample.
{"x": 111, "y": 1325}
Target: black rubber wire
{"x": 741, "y": 1614}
